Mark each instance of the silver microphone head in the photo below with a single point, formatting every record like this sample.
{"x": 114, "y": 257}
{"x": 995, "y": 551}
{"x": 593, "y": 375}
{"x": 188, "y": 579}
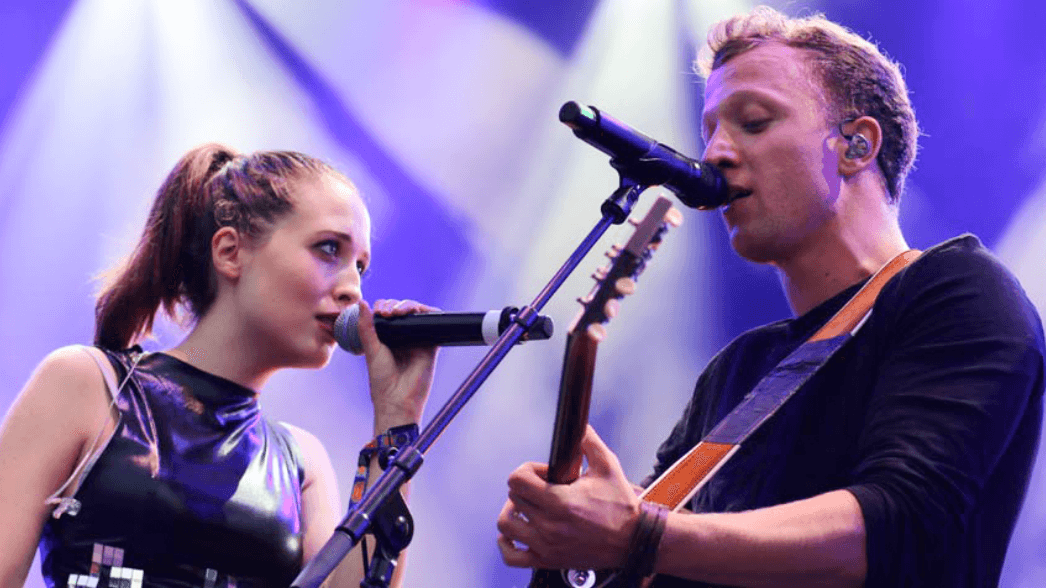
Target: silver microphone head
{"x": 347, "y": 332}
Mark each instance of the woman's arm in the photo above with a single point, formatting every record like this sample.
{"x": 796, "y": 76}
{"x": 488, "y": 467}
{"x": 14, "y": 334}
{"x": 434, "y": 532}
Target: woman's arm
{"x": 321, "y": 509}
{"x": 42, "y": 438}
{"x": 400, "y": 380}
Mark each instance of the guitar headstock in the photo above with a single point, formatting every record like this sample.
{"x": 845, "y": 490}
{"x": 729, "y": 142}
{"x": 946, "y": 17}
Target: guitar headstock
{"x": 618, "y": 278}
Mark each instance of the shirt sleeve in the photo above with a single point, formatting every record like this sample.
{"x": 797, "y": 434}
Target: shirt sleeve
{"x": 961, "y": 363}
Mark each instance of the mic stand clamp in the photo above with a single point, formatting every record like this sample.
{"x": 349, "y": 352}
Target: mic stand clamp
{"x": 391, "y": 524}
{"x": 393, "y": 528}
{"x": 619, "y": 204}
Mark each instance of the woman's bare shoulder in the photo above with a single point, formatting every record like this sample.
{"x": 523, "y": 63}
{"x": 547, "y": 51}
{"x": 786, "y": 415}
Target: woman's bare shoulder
{"x": 66, "y": 385}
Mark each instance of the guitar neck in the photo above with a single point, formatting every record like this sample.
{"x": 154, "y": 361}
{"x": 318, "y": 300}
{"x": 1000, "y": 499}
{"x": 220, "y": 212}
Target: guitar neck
{"x": 575, "y": 392}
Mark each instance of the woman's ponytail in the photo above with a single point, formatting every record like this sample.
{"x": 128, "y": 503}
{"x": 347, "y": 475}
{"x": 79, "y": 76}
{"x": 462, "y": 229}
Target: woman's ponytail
{"x": 167, "y": 262}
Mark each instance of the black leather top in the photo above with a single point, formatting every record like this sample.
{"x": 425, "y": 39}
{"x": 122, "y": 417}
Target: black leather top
{"x": 195, "y": 488}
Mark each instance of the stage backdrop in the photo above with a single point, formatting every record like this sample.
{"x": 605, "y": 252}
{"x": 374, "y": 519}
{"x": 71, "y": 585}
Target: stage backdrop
{"x": 443, "y": 112}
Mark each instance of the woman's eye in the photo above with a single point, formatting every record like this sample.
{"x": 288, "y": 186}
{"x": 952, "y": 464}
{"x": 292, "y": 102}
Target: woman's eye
{"x": 329, "y": 248}
{"x": 361, "y": 267}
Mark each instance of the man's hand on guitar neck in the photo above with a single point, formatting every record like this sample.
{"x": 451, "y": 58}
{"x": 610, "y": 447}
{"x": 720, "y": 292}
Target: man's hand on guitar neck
{"x": 588, "y": 524}
{"x": 585, "y": 524}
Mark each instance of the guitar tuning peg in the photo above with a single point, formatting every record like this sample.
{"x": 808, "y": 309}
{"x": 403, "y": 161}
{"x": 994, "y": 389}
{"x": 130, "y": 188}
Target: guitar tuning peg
{"x": 596, "y": 332}
{"x": 633, "y": 222}
{"x": 674, "y": 217}
{"x": 611, "y": 307}
{"x": 600, "y": 274}
{"x": 625, "y": 286}
{"x": 584, "y": 300}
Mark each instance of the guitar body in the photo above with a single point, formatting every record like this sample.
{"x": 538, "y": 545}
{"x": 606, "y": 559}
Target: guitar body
{"x": 571, "y": 579}
{"x": 582, "y": 579}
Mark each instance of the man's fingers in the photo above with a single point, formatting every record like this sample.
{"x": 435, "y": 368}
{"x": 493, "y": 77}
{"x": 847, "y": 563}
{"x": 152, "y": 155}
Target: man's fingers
{"x": 515, "y": 525}
{"x": 527, "y": 484}
{"x": 601, "y": 460}
{"x": 515, "y": 537}
{"x": 513, "y": 555}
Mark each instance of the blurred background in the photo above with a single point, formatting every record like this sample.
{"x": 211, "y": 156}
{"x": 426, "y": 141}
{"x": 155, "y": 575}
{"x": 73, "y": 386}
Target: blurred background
{"x": 443, "y": 112}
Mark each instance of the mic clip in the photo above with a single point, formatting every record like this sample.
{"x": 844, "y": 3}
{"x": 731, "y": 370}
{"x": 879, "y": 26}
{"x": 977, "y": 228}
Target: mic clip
{"x": 535, "y": 326}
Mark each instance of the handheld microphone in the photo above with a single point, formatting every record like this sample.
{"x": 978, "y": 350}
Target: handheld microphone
{"x": 644, "y": 160}
{"x": 435, "y": 328}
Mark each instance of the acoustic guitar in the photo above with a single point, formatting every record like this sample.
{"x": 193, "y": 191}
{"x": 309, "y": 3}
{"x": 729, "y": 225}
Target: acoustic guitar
{"x": 613, "y": 283}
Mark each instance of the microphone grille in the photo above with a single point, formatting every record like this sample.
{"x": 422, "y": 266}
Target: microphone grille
{"x": 347, "y": 332}
{"x": 708, "y": 189}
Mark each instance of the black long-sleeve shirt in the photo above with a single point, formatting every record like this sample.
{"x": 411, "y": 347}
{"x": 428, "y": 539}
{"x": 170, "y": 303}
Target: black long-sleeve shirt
{"x": 930, "y": 417}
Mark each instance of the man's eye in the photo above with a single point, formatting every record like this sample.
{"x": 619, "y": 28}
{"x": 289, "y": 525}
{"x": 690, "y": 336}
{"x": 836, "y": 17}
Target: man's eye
{"x": 706, "y": 134}
{"x": 756, "y": 126}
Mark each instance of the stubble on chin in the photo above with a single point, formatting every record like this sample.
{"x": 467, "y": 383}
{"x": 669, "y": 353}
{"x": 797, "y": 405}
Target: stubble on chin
{"x": 753, "y": 244}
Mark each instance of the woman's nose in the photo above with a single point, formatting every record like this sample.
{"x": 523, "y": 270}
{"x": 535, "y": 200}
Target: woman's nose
{"x": 347, "y": 289}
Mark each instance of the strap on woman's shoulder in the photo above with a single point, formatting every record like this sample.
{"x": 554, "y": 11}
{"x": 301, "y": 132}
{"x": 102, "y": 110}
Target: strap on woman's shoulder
{"x": 66, "y": 502}
{"x": 101, "y": 359}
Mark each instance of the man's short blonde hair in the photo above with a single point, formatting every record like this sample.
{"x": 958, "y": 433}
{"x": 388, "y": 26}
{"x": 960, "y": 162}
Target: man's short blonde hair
{"x": 857, "y": 78}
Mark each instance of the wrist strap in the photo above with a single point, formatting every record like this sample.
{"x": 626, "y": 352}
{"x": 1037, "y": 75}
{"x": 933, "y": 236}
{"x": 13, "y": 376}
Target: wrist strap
{"x": 642, "y": 552}
{"x": 385, "y": 445}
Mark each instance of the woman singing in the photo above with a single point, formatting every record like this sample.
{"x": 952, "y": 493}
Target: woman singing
{"x": 157, "y": 469}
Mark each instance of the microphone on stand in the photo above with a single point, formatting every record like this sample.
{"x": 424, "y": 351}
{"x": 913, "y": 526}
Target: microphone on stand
{"x": 644, "y": 160}
{"x": 435, "y": 328}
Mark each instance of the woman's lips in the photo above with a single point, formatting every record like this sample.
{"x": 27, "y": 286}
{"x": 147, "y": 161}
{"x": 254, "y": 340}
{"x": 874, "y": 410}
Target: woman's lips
{"x": 327, "y": 324}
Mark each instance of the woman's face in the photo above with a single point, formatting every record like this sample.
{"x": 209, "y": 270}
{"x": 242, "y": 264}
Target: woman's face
{"x": 295, "y": 283}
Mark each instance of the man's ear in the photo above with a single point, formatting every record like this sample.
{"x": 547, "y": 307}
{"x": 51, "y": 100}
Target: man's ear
{"x": 228, "y": 252}
{"x": 862, "y": 140}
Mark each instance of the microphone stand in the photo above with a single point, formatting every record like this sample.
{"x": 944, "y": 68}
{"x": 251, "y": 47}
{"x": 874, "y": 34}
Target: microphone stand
{"x": 382, "y": 510}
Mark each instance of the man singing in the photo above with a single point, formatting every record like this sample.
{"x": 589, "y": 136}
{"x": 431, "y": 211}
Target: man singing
{"x": 904, "y": 460}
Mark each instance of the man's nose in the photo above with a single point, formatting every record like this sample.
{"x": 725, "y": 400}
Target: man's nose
{"x": 720, "y": 150}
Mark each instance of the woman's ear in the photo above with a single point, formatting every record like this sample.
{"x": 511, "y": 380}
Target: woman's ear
{"x": 862, "y": 140}
{"x": 227, "y": 252}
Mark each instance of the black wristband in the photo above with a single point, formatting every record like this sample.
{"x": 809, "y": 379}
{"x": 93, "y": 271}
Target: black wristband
{"x": 642, "y": 556}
